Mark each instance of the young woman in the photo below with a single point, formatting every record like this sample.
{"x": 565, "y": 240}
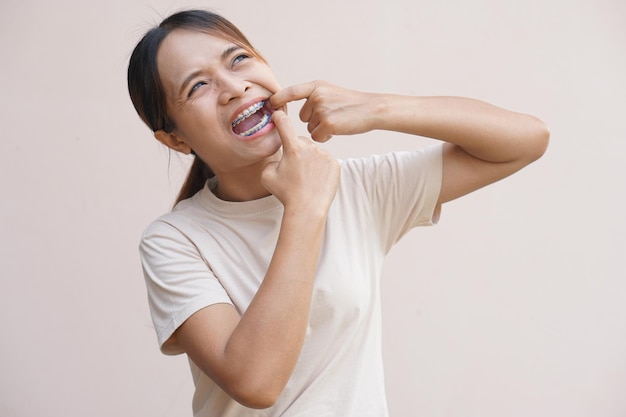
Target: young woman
{"x": 266, "y": 272}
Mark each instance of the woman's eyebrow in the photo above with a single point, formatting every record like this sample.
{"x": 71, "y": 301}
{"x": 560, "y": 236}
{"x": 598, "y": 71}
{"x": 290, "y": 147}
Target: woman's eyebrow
{"x": 229, "y": 51}
{"x": 194, "y": 74}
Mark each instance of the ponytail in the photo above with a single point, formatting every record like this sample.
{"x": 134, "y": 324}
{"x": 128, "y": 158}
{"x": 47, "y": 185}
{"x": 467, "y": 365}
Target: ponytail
{"x": 198, "y": 175}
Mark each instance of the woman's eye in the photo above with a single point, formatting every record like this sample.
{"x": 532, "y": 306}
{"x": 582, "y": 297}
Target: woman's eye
{"x": 240, "y": 58}
{"x": 195, "y": 87}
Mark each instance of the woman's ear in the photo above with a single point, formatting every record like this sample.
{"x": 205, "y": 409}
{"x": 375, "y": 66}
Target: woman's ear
{"x": 172, "y": 141}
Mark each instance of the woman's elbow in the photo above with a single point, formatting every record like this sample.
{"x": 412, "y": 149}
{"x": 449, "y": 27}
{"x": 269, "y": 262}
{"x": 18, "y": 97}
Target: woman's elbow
{"x": 537, "y": 140}
{"x": 256, "y": 401}
{"x": 529, "y": 144}
{"x": 257, "y": 396}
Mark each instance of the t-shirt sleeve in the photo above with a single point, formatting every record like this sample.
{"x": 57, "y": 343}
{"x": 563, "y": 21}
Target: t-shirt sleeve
{"x": 402, "y": 189}
{"x": 178, "y": 281}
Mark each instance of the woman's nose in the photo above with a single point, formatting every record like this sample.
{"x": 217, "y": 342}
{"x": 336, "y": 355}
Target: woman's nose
{"x": 231, "y": 87}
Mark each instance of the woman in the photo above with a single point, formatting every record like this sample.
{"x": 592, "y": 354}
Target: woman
{"x": 266, "y": 272}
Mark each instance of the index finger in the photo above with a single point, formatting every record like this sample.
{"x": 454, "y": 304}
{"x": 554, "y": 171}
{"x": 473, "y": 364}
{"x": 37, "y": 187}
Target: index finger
{"x": 285, "y": 129}
{"x": 292, "y": 93}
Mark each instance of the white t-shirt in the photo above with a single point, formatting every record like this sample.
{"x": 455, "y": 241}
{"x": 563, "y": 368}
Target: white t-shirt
{"x": 209, "y": 251}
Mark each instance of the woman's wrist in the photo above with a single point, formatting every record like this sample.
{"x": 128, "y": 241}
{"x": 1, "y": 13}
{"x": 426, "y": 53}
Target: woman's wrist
{"x": 392, "y": 112}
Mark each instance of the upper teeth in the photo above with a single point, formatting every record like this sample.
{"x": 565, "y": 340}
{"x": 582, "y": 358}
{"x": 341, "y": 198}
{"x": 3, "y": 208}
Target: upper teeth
{"x": 247, "y": 112}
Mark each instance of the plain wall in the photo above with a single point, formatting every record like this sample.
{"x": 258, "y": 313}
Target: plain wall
{"x": 514, "y": 305}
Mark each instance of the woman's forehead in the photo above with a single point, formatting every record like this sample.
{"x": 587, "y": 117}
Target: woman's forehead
{"x": 187, "y": 44}
{"x": 185, "y": 50}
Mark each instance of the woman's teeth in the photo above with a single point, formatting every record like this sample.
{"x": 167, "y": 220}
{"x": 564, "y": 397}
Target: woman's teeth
{"x": 253, "y": 109}
{"x": 262, "y": 123}
{"x": 247, "y": 112}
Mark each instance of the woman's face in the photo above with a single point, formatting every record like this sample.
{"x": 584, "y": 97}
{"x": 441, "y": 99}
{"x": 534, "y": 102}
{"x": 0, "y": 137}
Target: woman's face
{"x": 215, "y": 92}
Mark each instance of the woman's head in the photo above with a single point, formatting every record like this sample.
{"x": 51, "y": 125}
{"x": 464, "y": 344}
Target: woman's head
{"x": 190, "y": 80}
{"x": 144, "y": 83}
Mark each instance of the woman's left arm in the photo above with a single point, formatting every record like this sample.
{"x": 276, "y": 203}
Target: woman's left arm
{"x": 485, "y": 143}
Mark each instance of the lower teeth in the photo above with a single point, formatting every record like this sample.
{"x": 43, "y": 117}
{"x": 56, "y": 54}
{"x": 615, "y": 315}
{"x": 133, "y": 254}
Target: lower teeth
{"x": 264, "y": 121}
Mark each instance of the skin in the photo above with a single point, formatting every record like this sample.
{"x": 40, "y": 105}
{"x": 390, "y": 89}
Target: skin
{"x": 223, "y": 83}
{"x": 484, "y": 144}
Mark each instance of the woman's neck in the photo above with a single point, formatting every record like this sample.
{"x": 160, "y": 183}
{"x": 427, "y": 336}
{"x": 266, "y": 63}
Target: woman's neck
{"x": 244, "y": 184}
{"x": 245, "y": 191}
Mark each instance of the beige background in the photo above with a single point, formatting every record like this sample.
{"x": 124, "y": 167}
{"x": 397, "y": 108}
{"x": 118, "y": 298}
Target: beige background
{"x": 515, "y": 305}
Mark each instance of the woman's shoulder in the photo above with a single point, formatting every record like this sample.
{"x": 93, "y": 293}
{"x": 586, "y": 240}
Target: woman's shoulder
{"x": 171, "y": 222}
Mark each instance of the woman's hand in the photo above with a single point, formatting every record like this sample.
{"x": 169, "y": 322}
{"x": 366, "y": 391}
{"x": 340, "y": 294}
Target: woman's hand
{"x": 330, "y": 110}
{"x": 306, "y": 177}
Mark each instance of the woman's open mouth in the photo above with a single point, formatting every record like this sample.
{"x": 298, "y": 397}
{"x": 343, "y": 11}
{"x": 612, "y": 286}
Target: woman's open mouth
{"x": 252, "y": 119}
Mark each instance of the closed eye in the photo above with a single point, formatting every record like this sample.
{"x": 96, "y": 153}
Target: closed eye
{"x": 195, "y": 87}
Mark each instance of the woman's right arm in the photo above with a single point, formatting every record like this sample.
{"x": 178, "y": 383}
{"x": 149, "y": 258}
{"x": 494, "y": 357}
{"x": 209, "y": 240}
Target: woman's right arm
{"x": 252, "y": 356}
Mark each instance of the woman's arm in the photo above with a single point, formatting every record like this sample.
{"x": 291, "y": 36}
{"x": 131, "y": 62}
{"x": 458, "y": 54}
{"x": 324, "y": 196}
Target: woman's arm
{"x": 252, "y": 357}
{"x": 484, "y": 143}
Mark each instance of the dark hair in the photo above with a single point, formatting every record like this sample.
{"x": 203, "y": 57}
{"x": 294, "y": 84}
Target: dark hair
{"x": 144, "y": 82}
